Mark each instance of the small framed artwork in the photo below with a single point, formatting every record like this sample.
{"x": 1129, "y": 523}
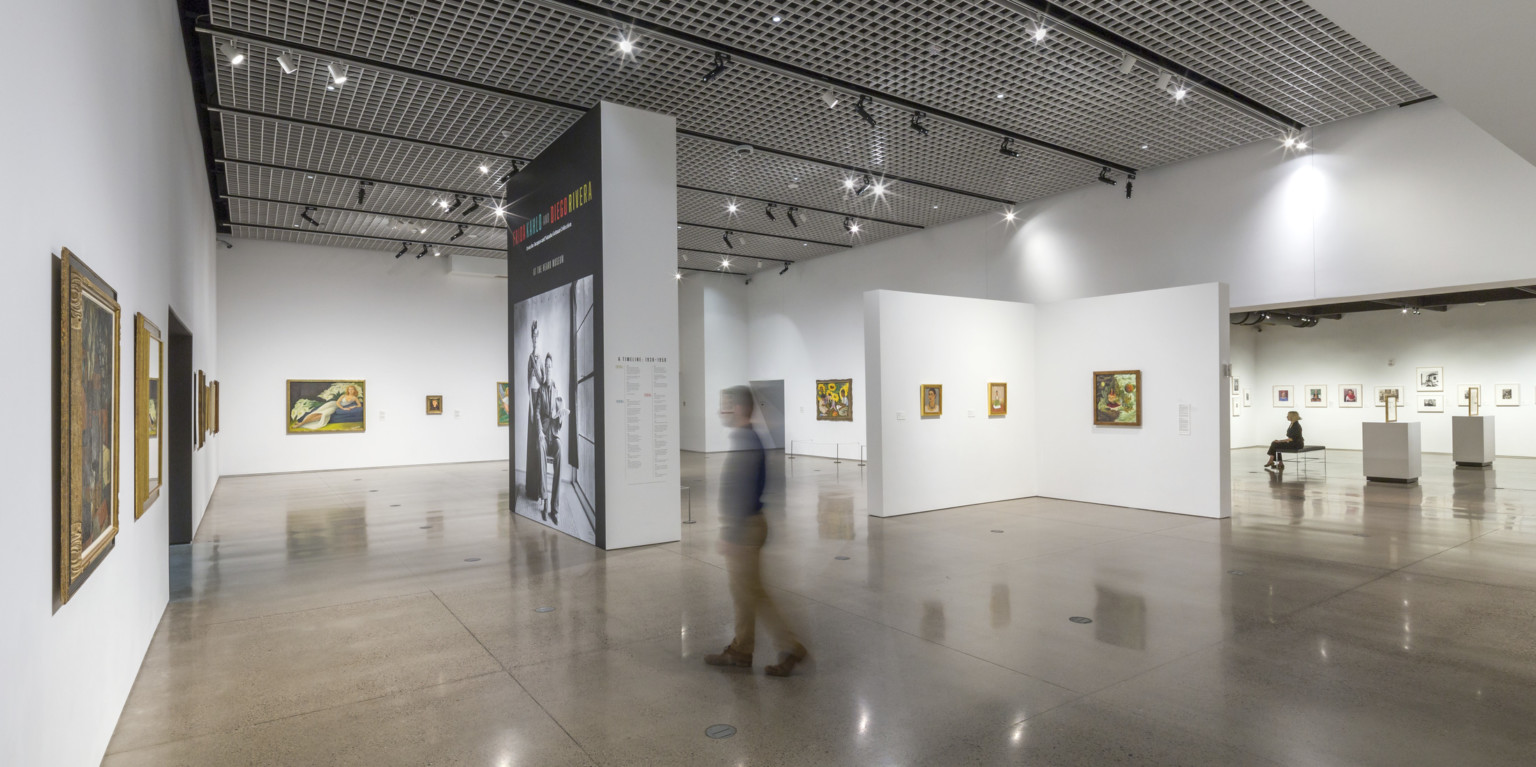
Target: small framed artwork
{"x": 326, "y": 407}
{"x": 931, "y": 400}
{"x": 1469, "y": 395}
{"x": 1383, "y": 392}
{"x": 834, "y": 399}
{"x": 1351, "y": 395}
{"x": 1431, "y": 379}
{"x": 1506, "y": 395}
{"x": 997, "y": 398}
{"x": 1117, "y": 398}
{"x": 1431, "y": 403}
{"x": 434, "y": 404}
{"x": 1314, "y": 395}
{"x": 215, "y": 407}
{"x": 1237, "y": 406}
{"x": 1283, "y": 396}
{"x": 1247, "y": 399}
{"x": 202, "y": 409}
{"x": 503, "y": 403}
{"x": 148, "y": 370}
{"x": 1390, "y": 404}
{"x": 1236, "y": 385}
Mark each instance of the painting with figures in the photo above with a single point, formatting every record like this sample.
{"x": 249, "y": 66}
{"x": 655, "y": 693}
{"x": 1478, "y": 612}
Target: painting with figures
{"x": 834, "y": 399}
{"x": 326, "y": 407}
{"x": 1117, "y": 398}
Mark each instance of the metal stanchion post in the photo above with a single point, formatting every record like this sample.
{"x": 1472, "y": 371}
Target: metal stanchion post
{"x": 837, "y": 452}
{"x": 862, "y": 459}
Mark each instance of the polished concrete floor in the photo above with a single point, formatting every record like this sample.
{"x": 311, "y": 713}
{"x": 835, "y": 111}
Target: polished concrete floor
{"x": 402, "y": 617}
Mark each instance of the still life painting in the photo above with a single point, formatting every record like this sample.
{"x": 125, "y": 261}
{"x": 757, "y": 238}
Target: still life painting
{"x": 1117, "y": 398}
{"x": 834, "y": 399}
{"x": 326, "y": 407}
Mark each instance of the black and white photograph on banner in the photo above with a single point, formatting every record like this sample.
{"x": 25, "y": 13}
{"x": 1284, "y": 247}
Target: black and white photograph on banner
{"x": 553, "y": 410}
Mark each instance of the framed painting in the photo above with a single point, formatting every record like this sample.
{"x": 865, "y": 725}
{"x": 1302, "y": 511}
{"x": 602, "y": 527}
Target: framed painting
{"x": 1506, "y": 395}
{"x": 1390, "y": 405}
{"x": 1469, "y": 395}
{"x": 931, "y": 400}
{"x": 997, "y": 398}
{"x": 1117, "y": 398}
{"x": 1237, "y": 406}
{"x": 215, "y": 419}
{"x": 1383, "y": 392}
{"x": 1351, "y": 395}
{"x": 503, "y": 403}
{"x": 1283, "y": 395}
{"x": 202, "y": 409}
{"x": 1247, "y": 399}
{"x": 1236, "y": 385}
{"x": 327, "y": 407}
{"x": 434, "y": 404}
{"x": 1431, "y": 403}
{"x": 834, "y": 399}
{"x": 1314, "y": 395}
{"x": 90, "y": 326}
{"x": 1431, "y": 379}
{"x": 148, "y": 370}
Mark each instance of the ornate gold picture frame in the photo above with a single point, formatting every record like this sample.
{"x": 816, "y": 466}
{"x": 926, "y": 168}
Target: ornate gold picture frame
{"x": 215, "y": 407}
{"x": 930, "y": 400}
{"x": 90, "y": 329}
{"x": 997, "y": 398}
{"x": 434, "y": 404}
{"x": 148, "y": 410}
{"x": 202, "y": 409}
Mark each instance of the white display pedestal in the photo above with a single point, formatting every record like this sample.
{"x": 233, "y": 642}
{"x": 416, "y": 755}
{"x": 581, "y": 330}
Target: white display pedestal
{"x": 1472, "y": 440}
{"x": 1392, "y": 452}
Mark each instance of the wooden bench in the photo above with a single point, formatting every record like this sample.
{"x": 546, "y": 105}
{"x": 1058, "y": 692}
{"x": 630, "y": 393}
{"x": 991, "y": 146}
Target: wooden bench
{"x": 1304, "y": 459}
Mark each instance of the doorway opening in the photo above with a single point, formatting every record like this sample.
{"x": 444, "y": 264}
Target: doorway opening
{"x": 179, "y": 411}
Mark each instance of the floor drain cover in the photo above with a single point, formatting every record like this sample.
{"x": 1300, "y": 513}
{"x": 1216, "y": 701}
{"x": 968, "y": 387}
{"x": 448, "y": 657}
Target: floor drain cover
{"x": 472, "y": 559}
{"x": 840, "y": 558}
{"x": 1080, "y": 619}
{"x": 543, "y": 609}
{"x": 1236, "y": 572}
{"x": 718, "y": 731}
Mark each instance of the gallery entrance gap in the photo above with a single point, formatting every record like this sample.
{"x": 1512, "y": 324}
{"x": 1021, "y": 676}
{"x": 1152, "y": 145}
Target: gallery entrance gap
{"x": 180, "y": 423}
{"x": 770, "y": 407}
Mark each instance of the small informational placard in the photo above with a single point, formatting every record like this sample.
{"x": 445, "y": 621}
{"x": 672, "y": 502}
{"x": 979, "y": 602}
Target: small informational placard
{"x": 1186, "y": 418}
{"x": 647, "y": 403}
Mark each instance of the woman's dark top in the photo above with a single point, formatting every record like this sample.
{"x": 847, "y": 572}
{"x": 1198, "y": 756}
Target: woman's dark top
{"x": 1294, "y": 434}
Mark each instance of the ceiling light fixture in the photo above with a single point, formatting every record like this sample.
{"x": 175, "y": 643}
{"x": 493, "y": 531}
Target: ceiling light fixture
{"x": 626, "y": 45}
{"x": 731, "y": 207}
{"x": 338, "y": 72}
{"x": 362, "y": 191}
{"x": 722, "y": 61}
{"x": 235, "y": 55}
{"x": 785, "y": 269}
{"x": 458, "y": 200}
{"x": 851, "y": 225}
{"x": 311, "y": 219}
{"x": 769, "y": 211}
{"x": 831, "y": 99}
{"x": 917, "y": 123}
{"x": 499, "y": 211}
{"x": 458, "y": 234}
{"x": 404, "y": 246}
{"x": 1127, "y": 63}
{"x": 1164, "y": 79}
{"x": 1037, "y": 30}
{"x": 1302, "y": 145}
{"x": 485, "y": 169}
{"x": 776, "y": 18}
{"x": 864, "y": 184}
{"x": 423, "y": 252}
{"x": 725, "y": 263}
{"x": 861, "y": 105}
{"x": 508, "y": 177}
{"x": 474, "y": 205}
{"x": 679, "y": 275}
{"x": 1104, "y": 177}
{"x": 878, "y": 189}
{"x": 1007, "y": 147}
{"x": 794, "y": 220}
{"x": 1009, "y": 215}
{"x": 285, "y": 60}
{"x": 727, "y": 238}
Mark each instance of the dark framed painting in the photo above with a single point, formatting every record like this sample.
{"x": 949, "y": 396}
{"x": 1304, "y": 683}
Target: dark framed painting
{"x": 931, "y": 400}
{"x": 90, "y": 326}
{"x": 503, "y": 403}
{"x": 202, "y": 409}
{"x": 1117, "y": 398}
{"x": 215, "y": 407}
{"x": 148, "y": 370}
{"x": 997, "y": 398}
{"x": 434, "y": 404}
{"x": 834, "y": 399}
{"x": 327, "y": 407}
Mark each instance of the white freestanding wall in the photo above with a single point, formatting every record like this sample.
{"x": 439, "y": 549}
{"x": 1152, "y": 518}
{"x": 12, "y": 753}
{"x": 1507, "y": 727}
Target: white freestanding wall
{"x": 104, "y": 158}
{"x": 640, "y": 311}
{"x": 713, "y": 340}
{"x": 405, "y": 326}
{"x": 963, "y": 456}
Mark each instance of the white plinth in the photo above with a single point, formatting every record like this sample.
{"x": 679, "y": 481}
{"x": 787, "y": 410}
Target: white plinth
{"x": 1392, "y": 451}
{"x": 1472, "y": 440}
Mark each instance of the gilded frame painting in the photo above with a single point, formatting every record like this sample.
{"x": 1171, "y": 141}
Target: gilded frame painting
{"x": 834, "y": 399}
{"x": 997, "y": 398}
{"x": 215, "y": 428}
{"x": 503, "y": 403}
{"x": 148, "y": 405}
{"x": 333, "y": 406}
{"x": 90, "y": 363}
{"x": 434, "y": 404}
{"x": 930, "y": 400}
{"x": 202, "y": 408}
{"x": 1117, "y": 398}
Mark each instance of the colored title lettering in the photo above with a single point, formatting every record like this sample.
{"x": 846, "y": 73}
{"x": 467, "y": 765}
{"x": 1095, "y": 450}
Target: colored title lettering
{"x": 560, "y": 209}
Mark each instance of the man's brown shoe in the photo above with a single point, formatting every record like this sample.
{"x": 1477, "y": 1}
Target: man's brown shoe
{"x": 787, "y": 662}
{"x": 730, "y": 657}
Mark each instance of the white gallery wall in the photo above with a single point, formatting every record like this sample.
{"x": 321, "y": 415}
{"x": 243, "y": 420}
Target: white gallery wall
{"x": 407, "y": 327}
{"x": 712, "y": 312}
{"x": 964, "y": 455}
{"x": 101, "y": 156}
{"x": 1484, "y": 345}
{"x": 1249, "y": 427}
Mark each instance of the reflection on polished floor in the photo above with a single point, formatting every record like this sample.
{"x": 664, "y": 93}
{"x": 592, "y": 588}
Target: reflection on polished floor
{"x": 391, "y": 616}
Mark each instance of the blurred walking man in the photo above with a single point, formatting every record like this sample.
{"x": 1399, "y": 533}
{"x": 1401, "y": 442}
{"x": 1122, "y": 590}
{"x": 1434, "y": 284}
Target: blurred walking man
{"x": 743, "y": 530}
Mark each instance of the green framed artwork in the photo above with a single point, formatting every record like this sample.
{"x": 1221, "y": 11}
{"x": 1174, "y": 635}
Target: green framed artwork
{"x": 503, "y": 403}
{"x": 1117, "y": 398}
{"x": 834, "y": 399}
{"x": 90, "y": 326}
{"x": 327, "y": 407}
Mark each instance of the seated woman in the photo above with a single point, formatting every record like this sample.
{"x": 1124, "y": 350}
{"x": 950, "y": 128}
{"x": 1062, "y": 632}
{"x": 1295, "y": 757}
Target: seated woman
{"x": 1291, "y": 443}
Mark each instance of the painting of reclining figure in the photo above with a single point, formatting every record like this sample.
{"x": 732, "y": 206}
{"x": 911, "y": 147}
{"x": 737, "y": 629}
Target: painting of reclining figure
{"x": 321, "y": 407}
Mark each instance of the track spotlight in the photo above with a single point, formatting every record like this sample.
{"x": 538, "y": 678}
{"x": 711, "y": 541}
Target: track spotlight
{"x": 458, "y": 234}
{"x": 1129, "y": 177}
{"x": 1010, "y": 216}
{"x": 725, "y": 263}
{"x": 1036, "y": 29}
{"x": 794, "y": 220}
{"x": 727, "y": 238}
{"x": 851, "y": 225}
{"x": 1164, "y": 79}
{"x": 285, "y": 60}
{"x": 917, "y": 123}
{"x": 474, "y": 205}
{"x": 499, "y": 211}
{"x": 504, "y": 179}
{"x": 679, "y": 275}
{"x": 485, "y": 168}
{"x": 831, "y": 99}
{"x": 731, "y": 207}
{"x": 404, "y": 246}
{"x": 721, "y": 62}
{"x": 362, "y": 191}
{"x": 1007, "y": 148}
{"x": 861, "y": 105}
{"x": 769, "y": 210}
{"x": 785, "y": 269}
{"x": 235, "y": 55}
{"x": 1127, "y": 63}
{"x": 311, "y": 219}
{"x": 423, "y": 253}
{"x": 1104, "y": 177}
{"x": 626, "y": 45}
{"x": 338, "y": 72}
{"x": 458, "y": 200}
{"x": 1179, "y": 92}
{"x": 863, "y": 186}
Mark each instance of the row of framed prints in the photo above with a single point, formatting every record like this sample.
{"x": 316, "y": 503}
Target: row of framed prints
{"x": 340, "y": 406}
{"x": 930, "y": 399}
{"x": 1116, "y": 399}
{"x": 1353, "y": 395}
